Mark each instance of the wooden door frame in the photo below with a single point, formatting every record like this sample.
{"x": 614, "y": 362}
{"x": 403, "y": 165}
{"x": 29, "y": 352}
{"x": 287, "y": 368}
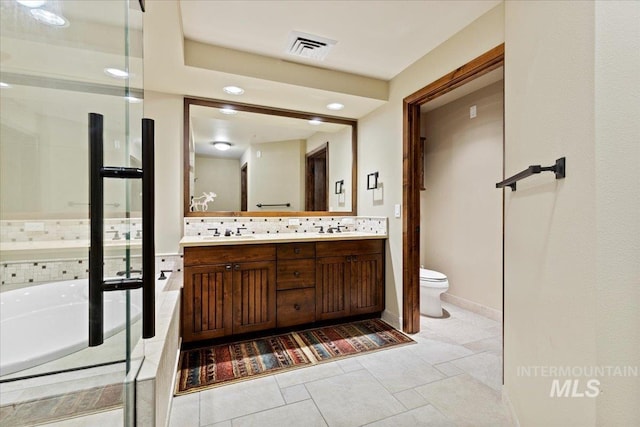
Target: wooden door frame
{"x": 475, "y": 68}
{"x": 311, "y": 154}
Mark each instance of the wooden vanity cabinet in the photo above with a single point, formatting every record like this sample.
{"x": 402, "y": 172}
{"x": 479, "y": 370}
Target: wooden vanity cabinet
{"x": 228, "y": 290}
{"x": 237, "y": 289}
{"x": 349, "y": 278}
{"x": 296, "y": 281}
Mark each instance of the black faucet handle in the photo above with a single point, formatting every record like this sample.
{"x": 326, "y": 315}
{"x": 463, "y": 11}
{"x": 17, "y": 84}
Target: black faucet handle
{"x": 116, "y": 234}
{"x": 338, "y": 228}
{"x": 238, "y": 230}
{"x": 216, "y": 233}
{"x": 162, "y": 276}
{"x": 321, "y": 228}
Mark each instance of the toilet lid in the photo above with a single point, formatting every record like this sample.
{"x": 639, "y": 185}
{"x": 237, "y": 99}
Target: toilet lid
{"x": 431, "y": 275}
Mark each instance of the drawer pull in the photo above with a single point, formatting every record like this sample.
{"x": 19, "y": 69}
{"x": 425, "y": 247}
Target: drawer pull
{"x": 296, "y": 306}
{"x": 296, "y": 273}
{"x": 228, "y": 267}
{"x": 296, "y": 250}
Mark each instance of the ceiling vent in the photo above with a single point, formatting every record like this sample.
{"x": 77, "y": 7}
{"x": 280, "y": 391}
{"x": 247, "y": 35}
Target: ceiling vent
{"x": 308, "y": 45}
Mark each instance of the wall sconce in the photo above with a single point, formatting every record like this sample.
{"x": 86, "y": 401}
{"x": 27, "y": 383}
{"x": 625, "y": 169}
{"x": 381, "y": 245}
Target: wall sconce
{"x": 339, "y": 187}
{"x": 372, "y": 181}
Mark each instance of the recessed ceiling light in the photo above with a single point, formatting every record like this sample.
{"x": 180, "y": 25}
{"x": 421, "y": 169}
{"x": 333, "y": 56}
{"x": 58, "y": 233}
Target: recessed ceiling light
{"x": 222, "y": 146}
{"x": 4, "y": 85}
{"x": 233, "y": 90}
{"x": 32, "y": 3}
{"x": 335, "y": 106}
{"x": 133, "y": 99}
{"x": 49, "y": 18}
{"x": 228, "y": 110}
{"x": 116, "y": 73}
{"x": 315, "y": 122}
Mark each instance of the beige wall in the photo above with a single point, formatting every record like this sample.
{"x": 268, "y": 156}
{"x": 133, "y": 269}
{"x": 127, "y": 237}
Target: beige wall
{"x": 166, "y": 110}
{"x": 571, "y": 246}
{"x": 461, "y": 210}
{"x": 340, "y": 164}
{"x": 380, "y": 137}
{"x": 222, "y": 176}
{"x": 277, "y": 176}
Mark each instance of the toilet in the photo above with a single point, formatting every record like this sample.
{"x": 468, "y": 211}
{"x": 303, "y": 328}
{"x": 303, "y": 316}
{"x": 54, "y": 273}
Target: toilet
{"x": 432, "y": 284}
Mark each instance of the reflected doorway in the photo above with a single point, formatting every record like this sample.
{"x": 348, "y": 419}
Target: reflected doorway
{"x": 243, "y": 187}
{"x": 316, "y": 179}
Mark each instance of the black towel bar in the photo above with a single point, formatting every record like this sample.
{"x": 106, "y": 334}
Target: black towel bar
{"x": 262, "y": 205}
{"x": 559, "y": 169}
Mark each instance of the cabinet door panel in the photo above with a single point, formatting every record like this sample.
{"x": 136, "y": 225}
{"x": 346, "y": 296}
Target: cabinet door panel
{"x": 366, "y": 284}
{"x": 332, "y": 287}
{"x": 254, "y": 296}
{"x": 206, "y": 311}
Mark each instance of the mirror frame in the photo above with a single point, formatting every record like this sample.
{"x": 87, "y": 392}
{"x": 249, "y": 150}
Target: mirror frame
{"x": 188, "y": 101}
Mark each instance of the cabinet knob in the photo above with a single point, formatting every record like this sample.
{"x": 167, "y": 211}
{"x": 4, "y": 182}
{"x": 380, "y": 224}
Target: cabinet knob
{"x": 296, "y": 273}
{"x": 296, "y": 250}
{"x": 296, "y": 306}
{"x": 348, "y": 259}
{"x": 227, "y": 267}
{"x": 354, "y": 258}
{"x": 237, "y": 266}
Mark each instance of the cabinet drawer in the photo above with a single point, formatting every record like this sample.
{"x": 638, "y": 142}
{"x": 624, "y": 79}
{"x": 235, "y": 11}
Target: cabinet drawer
{"x": 296, "y": 307}
{"x": 203, "y": 255}
{"x": 296, "y": 273}
{"x": 296, "y": 250}
{"x": 349, "y": 247}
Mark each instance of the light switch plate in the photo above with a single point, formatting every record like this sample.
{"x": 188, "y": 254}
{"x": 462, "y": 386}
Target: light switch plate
{"x": 396, "y": 210}
{"x": 473, "y": 112}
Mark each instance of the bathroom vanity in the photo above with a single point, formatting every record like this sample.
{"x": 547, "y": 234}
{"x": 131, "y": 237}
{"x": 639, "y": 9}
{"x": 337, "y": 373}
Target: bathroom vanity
{"x": 240, "y": 284}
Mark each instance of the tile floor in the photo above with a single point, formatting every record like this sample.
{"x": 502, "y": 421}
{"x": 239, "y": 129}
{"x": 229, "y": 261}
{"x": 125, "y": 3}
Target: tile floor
{"x": 451, "y": 377}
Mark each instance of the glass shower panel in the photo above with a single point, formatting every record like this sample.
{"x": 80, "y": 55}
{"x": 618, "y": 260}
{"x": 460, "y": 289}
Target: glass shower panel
{"x": 59, "y": 61}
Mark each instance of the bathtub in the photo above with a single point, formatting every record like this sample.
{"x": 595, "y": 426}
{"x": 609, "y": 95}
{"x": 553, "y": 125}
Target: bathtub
{"x": 42, "y": 323}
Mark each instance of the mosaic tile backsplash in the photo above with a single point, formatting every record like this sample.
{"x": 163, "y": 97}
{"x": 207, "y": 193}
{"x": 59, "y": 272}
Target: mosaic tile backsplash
{"x": 200, "y": 226}
{"x": 18, "y": 273}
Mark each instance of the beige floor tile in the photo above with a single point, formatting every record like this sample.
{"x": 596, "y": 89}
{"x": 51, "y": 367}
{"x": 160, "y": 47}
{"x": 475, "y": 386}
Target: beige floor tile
{"x": 302, "y": 413}
{"x": 410, "y": 398}
{"x": 239, "y": 399}
{"x": 353, "y": 399}
{"x": 295, "y": 393}
{"x": 399, "y": 369}
{"x": 422, "y": 416}
{"x": 308, "y": 373}
{"x": 434, "y": 351}
{"x": 485, "y": 367}
{"x": 448, "y": 369}
{"x": 466, "y": 401}
{"x": 185, "y": 410}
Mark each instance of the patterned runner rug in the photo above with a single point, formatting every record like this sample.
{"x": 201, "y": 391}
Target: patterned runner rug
{"x": 209, "y": 367}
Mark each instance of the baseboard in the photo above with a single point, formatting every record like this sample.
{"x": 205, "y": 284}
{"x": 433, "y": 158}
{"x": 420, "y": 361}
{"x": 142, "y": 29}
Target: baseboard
{"x": 512, "y": 412}
{"x": 480, "y": 309}
{"x": 392, "y": 319}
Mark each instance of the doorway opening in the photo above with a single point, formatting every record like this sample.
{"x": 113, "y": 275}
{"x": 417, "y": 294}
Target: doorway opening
{"x": 244, "y": 176}
{"x": 316, "y": 197}
{"x": 412, "y": 182}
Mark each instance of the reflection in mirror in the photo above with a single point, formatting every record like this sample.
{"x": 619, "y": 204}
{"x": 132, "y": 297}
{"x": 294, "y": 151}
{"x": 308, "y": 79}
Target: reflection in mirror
{"x": 251, "y": 159}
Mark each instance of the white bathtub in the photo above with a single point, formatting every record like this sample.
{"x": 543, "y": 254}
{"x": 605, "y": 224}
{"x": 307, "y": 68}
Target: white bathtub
{"x": 42, "y": 323}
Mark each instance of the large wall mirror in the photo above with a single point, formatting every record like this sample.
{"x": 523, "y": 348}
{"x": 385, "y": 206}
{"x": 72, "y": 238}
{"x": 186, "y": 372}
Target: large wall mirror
{"x": 246, "y": 160}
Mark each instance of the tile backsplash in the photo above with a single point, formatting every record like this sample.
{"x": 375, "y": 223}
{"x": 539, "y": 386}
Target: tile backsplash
{"x": 201, "y": 226}
{"x": 47, "y": 268}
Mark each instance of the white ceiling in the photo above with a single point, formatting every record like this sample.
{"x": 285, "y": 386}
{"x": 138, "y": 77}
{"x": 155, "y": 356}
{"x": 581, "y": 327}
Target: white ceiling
{"x": 243, "y": 129}
{"x": 374, "y": 38}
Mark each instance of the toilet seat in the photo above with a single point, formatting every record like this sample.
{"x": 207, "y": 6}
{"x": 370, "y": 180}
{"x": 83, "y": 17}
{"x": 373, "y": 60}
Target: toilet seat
{"x": 432, "y": 276}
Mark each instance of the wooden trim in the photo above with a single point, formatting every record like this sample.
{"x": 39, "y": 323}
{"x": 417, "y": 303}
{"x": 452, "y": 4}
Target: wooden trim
{"x": 188, "y": 101}
{"x": 484, "y": 63}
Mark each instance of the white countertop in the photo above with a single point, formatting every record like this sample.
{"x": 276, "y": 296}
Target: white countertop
{"x": 252, "y": 239}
